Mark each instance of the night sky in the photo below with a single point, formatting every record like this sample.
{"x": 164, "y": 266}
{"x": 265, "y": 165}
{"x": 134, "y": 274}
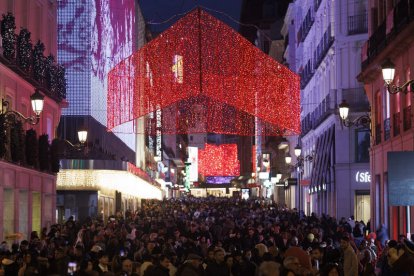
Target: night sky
{"x": 161, "y": 10}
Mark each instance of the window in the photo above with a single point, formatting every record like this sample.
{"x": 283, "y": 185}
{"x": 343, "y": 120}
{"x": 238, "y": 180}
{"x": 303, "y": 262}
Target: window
{"x": 49, "y": 126}
{"x": 378, "y": 107}
{"x": 362, "y": 144}
{"x": 408, "y": 95}
{"x": 387, "y": 111}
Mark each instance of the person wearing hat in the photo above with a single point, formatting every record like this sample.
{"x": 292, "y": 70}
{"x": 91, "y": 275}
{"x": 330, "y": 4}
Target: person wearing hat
{"x": 191, "y": 267}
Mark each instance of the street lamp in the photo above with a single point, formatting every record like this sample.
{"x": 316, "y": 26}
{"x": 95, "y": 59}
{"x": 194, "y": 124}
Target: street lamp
{"x": 82, "y": 136}
{"x": 288, "y": 159}
{"x": 37, "y": 101}
{"x": 364, "y": 120}
{"x": 388, "y": 73}
{"x": 298, "y": 167}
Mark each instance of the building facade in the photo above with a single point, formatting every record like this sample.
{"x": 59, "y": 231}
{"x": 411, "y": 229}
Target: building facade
{"x": 101, "y": 188}
{"x": 391, "y": 26}
{"x": 323, "y": 38}
{"x": 27, "y": 194}
{"x": 94, "y": 36}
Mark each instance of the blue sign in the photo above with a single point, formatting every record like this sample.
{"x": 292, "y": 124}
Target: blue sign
{"x": 401, "y": 178}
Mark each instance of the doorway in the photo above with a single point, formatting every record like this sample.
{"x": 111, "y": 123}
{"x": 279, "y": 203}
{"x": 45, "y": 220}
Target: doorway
{"x": 362, "y": 206}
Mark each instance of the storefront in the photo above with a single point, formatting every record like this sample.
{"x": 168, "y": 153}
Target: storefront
{"x": 27, "y": 198}
{"x": 100, "y": 188}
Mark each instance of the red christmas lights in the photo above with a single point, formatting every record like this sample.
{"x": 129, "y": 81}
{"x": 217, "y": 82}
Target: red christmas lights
{"x": 218, "y": 160}
{"x": 205, "y": 77}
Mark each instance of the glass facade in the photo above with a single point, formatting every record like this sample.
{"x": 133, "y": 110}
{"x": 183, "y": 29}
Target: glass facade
{"x": 94, "y": 36}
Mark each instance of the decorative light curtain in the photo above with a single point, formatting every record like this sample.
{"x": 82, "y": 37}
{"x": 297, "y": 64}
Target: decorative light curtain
{"x": 203, "y": 77}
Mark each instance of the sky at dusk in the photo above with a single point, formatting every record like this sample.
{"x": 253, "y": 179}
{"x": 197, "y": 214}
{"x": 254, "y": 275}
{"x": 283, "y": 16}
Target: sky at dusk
{"x": 157, "y": 11}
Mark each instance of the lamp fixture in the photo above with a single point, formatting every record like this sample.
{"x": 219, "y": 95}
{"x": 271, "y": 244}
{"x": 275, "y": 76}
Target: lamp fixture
{"x": 299, "y": 158}
{"x": 37, "y": 101}
{"x": 298, "y": 150}
{"x": 82, "y": 136}
{"x": 288, "y": 159}
{"x": 388, "y": 73}
{"x": 364, "y": 120}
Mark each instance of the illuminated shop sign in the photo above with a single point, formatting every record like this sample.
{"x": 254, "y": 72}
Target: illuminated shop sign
{"x": 362, "y": 177}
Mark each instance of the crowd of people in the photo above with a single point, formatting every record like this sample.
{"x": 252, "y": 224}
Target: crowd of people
{"x": 209, "y": 236}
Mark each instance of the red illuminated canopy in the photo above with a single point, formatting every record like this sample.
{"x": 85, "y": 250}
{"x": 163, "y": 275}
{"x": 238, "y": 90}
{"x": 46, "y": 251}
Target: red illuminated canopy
{"x": 204, "y": 78}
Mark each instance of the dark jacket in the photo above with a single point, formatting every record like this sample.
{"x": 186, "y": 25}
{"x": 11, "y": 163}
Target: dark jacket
{"x": 217, "y": 269}
{"x": 157, "y": 271}
{"x": 187, "y": 269}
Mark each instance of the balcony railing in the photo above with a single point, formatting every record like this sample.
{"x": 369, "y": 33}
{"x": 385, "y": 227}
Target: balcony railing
{"x": 378, "y": 134}
{"x": 396, "y": 123}
{"x": 307, "y": 74}
{"x": 321, "y": 112}
{"x": 29, "y": 62}
{"x": 323, "y": 47}
{"x": 403, "y": 14}
{"x": 387, "y": 129}
{"x": 306, "y": 25}
{"x": 377, "y": 40}
{"x": 407, "y": 118}
{"x": 357, "y": 24}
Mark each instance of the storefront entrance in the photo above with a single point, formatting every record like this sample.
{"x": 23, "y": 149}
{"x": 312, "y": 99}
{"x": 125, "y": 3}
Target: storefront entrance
{"x": 362, "y": 206}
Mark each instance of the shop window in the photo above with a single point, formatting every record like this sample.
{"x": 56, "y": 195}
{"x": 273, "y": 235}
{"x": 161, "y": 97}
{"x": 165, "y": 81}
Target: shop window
{"x": 36, "y": 212}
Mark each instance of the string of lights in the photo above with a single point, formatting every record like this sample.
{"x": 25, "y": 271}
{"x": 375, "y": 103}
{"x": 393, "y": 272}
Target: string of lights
{"x": 220, "y": 160}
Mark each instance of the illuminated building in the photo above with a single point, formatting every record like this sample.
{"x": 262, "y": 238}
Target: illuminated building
{"x": 94, "y": 36}
{"x": 88, "y": 51}
{"x": 95, "y": 188}
{"x": 391, "y": 39}
{"x": 324, "y": 41}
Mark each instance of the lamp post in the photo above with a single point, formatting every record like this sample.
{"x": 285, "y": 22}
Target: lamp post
{"x": 364, "y": 120}
{"x": 299, "y": 168}
{"x": 82, "y": 137}
{"x": 37, "y": 102}
{"x": 388, "y": 73}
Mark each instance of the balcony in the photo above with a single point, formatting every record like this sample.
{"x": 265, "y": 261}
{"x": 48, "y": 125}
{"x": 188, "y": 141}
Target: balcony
{"x": 377, "y": 40}
{"x": 378, "y": 134}
{"x": 403, "y": 14}
{"x": 306, "y": 26}
{"x": 387, "y": 129}
{"x": 356, "y": 98}
{"x": 407, "y": 118}
{"x": 28, "y": 61}
{"x": 323, "y": 47}
{"x": 396, "y": 123}
{"x": 306, "y": 75}
{"x": 325, "y": 108}
{"x": 357, "y": 24}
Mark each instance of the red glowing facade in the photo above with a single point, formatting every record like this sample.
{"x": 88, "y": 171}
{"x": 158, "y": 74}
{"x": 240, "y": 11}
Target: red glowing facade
{"x": 220, "y": 160}
{"x": 201, "y": 62}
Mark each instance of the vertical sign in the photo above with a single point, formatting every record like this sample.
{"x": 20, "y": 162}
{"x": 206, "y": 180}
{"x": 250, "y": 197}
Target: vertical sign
{"x": 158, "y": 141}
{"x": 193, "y": 159}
